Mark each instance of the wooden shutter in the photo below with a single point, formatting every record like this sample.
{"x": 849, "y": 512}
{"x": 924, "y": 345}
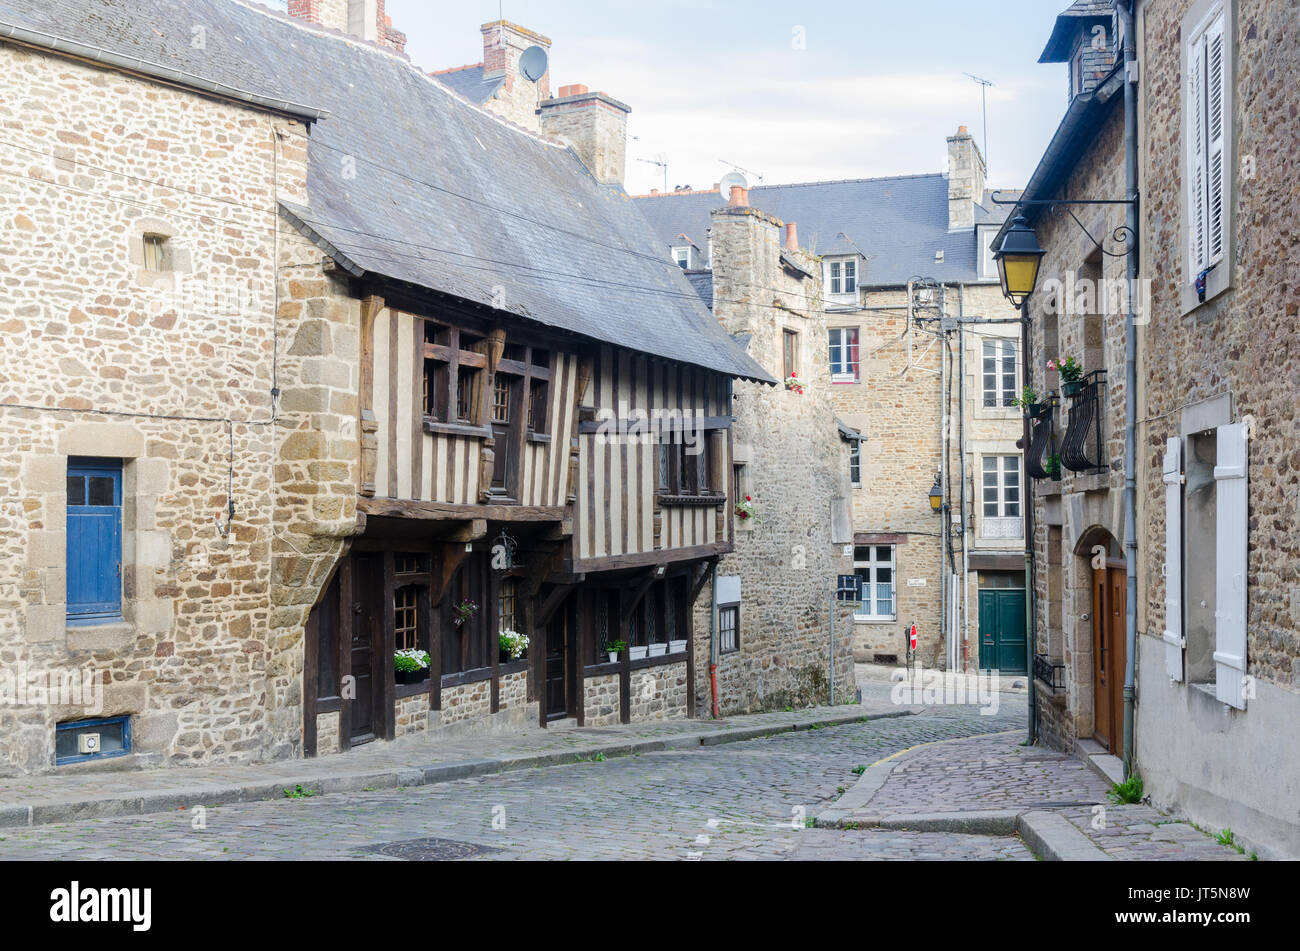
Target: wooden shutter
{"x": 1174, "y": 638}
{"x": 1230, "y": 484}
{"x": 1217, "y": 125}
{"x": 1196, "y": 157}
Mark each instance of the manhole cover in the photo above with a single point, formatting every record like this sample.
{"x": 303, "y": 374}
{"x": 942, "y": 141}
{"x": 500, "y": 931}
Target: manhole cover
{"x": 429, "y": 850}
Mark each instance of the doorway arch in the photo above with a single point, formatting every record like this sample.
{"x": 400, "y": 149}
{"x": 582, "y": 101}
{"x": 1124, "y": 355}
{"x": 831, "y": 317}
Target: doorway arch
{"x": 1100, "y": 560}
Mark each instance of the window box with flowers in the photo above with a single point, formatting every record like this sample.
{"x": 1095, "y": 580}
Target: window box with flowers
{"x": 410, "y": 666}
{"x": 745, "y": 509}
{"x": 513, "y": 645}
{"x": 792, "y": 382}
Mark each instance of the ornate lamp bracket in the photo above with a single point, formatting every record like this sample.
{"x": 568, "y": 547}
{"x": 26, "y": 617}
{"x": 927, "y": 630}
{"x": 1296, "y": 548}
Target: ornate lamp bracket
{"x": 1124, "y": 235}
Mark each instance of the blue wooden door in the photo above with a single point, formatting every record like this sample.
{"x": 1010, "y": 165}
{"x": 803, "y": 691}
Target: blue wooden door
{"x": 94, "y": 540}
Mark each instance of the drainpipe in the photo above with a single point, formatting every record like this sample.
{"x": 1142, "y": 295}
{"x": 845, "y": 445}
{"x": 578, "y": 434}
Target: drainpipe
{"x": 961, "y": 462}
{"x": 944, "y": 633}
{"x": 1031, "y": 615}
{"x": 713, "y": 640}
{"x": 1125, "y": 12}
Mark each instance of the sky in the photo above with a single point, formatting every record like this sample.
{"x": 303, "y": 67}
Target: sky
{"x": 792, "y": 92}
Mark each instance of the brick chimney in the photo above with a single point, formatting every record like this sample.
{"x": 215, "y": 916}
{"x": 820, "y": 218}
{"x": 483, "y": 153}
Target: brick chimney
{"x": 791, "y": 236}
{"x": 594, "y": 125}
{"x": 518, "y": 96}
{"x": 364, "y": 19}
{"x": 965, "y": 179}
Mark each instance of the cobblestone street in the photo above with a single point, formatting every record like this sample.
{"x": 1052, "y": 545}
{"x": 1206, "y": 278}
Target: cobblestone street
{"x": 746, "y": 800}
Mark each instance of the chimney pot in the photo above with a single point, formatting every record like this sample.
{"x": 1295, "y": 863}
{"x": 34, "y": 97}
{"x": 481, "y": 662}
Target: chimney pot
{"x": 739, "y": 197}
{"x": 961, "y": 130}
{"x": 574, "y": 89}
{"x": 791, "y": 237}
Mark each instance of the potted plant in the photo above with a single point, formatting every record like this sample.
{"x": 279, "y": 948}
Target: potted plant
{"x": 745, "y": 509}
{"x": 615, "y": 648}
{"x": 1054, "y": 466}
{"x": 410, "y": 666}
{"x": 792, "y": 382}
{"x": 1028, "y": 401}
{"x": 1071, "y": 375}
{"x": 512, "y": 645}
{"x": 460, "y": 613}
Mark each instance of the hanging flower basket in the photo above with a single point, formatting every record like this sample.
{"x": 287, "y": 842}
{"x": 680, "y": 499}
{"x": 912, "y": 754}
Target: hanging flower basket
{"x": 462, "y": 612}
{"x": 792, "y": 382}
{"x": 745, "y": 509}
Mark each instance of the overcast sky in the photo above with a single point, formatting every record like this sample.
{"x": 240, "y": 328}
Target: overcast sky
{"x": 792, "y": 91}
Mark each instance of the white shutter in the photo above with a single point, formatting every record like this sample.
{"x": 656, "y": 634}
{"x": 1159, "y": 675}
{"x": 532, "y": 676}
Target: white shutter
{"x": 1174, "y": 641}
{"x": 1231, "y": 500}
{"x": 1218, "y": 125}
{"x": 1196, "y": 158}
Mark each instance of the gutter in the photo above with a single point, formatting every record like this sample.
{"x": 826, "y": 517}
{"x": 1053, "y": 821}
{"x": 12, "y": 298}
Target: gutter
{"x": 57, "y": 44}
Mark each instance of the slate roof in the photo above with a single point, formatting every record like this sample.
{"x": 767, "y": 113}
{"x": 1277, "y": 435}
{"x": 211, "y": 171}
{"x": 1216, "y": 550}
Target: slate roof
{"x": 469, "y": 82}
{"x": 1069, "y": 22}
{"x": 445, "y": 196}
{"x": 898, "y": 223}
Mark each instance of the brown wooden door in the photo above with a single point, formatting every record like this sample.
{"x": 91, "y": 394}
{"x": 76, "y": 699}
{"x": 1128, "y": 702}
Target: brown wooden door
{"x": 365, "y": 635}
{"x": 1109, "y": 589}
{"x": 557, "y": 679}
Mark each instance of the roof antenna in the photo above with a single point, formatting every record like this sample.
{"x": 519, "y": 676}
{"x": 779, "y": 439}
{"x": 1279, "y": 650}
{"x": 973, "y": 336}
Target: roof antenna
{"x": 737, "y": 168}
{"x": 662, "y": 161}
{"x": 984, "y": 88}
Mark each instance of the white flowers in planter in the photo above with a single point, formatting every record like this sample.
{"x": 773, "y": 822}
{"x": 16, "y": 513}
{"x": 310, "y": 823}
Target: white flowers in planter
{"x": 513, "y": 644}
{"x": 410, "y": 660}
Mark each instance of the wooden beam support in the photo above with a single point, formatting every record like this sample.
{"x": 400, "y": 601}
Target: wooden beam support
{"x": 447, "y": 511}
{"x": 474, "y": 530}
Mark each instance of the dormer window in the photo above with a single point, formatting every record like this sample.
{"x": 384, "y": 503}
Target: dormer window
{"x": 842, "y": 276}
{"x": 684, "y": 257}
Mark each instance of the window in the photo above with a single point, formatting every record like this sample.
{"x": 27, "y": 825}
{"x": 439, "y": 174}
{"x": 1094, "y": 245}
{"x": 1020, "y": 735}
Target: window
{"x": 81, "y": 740}
{"x": 875, "y": 565}
{"x": 507, "y": 600}
{"x": 843, "y": 277}
{"x": 685, "y": 468}
{"x": 790, "y": 352}
{"x": 728, "y": 628}
{"x": 999, "y": 372}
{"x": 1001, "y": 498}
{"x": 1207, "y": 128}
{"x": 855, "y": 463}
{"x": 406, "y": 618}
{"x": 453, "y": 374}
{"x": 539, "y": 406}
{"x": 501, "y": 399}
{"x": 94, "y": 527}
{"x": 154, "y": 252}
{"x": 844, "y": 354}
{"x": 683, "y": 257}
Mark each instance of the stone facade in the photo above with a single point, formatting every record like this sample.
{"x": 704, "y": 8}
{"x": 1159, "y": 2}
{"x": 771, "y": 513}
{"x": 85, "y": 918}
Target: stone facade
{"x": 169, "y": 371}
{"x": 659, "y": 693}
{"x": 795, "y": 467}
{"x": 594, "y": 125}
{"x": 601, "y": 700}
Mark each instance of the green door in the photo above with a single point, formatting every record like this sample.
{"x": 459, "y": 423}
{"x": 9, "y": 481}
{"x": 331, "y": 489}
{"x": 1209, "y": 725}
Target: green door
{"x": 1002, "y": 631}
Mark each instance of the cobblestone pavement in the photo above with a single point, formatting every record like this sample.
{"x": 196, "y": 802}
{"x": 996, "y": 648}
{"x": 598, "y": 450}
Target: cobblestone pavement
{"x": 1142, "y": 833}
{"x": 995, "y": 772}
{"x": 745, "y": 800}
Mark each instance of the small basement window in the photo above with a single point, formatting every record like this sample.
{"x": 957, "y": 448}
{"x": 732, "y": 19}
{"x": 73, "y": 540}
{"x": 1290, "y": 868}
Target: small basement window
{"x": 80, "y": 740}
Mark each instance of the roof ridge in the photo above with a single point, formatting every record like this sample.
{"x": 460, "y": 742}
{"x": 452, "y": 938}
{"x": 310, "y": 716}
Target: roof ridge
{"x": 455, "y": 69}
{"x": 831, "y": 181}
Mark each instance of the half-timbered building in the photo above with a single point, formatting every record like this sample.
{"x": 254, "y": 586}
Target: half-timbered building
{"x": 480, "y": 401}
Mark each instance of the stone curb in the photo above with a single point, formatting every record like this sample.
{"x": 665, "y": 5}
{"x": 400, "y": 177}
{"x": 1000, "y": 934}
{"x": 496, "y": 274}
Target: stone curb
{"x": 1054, "y": 838}
{"x": 167, "y": 800}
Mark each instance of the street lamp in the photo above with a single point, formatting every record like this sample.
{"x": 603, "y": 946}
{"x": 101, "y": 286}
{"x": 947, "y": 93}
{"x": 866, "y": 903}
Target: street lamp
{"x": 1018, "y": 260}
{"x": 936, "y": 496}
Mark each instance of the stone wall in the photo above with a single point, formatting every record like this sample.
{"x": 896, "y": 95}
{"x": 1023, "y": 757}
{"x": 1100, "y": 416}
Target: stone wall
{"x": 410, "y": 714}
{"x": 659, "y": 693}
{"x": 466, "y": 702}
{"x": 796, "y": 470}
{"x": 600, "y": 700}
{"x": 170, "y": 371}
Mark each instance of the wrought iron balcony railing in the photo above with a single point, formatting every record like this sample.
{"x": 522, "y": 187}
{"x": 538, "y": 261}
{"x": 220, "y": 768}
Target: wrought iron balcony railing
{"x": 1042, "y": 460}
{"x": 1049, "y": 672}
{"x": 1082, "y": 447}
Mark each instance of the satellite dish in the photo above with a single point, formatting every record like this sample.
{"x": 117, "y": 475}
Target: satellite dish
{"x": 534, "y": 62}
{"x": 729, "y": 180}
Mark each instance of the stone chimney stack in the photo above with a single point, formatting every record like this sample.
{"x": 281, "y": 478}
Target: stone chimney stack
{"x": 364, "y": 19}
{"x": 965, "y": 180}
{"x": 594, "y": 125}
{"x": 518, "y": 97}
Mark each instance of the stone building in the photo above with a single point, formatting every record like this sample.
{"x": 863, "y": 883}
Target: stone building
{"x": 896, "y": 255}
{"x": 771, "y": 607}
{"x": 498, "y": 83}
{"x": 1218, "y": 633}
{"x": 262, "y": 429}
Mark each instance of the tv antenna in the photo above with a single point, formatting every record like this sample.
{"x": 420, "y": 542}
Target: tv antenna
{"x": 662, "y": 162}
{"x": 984, "y": 88}
{"x": 733, "y": 165}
